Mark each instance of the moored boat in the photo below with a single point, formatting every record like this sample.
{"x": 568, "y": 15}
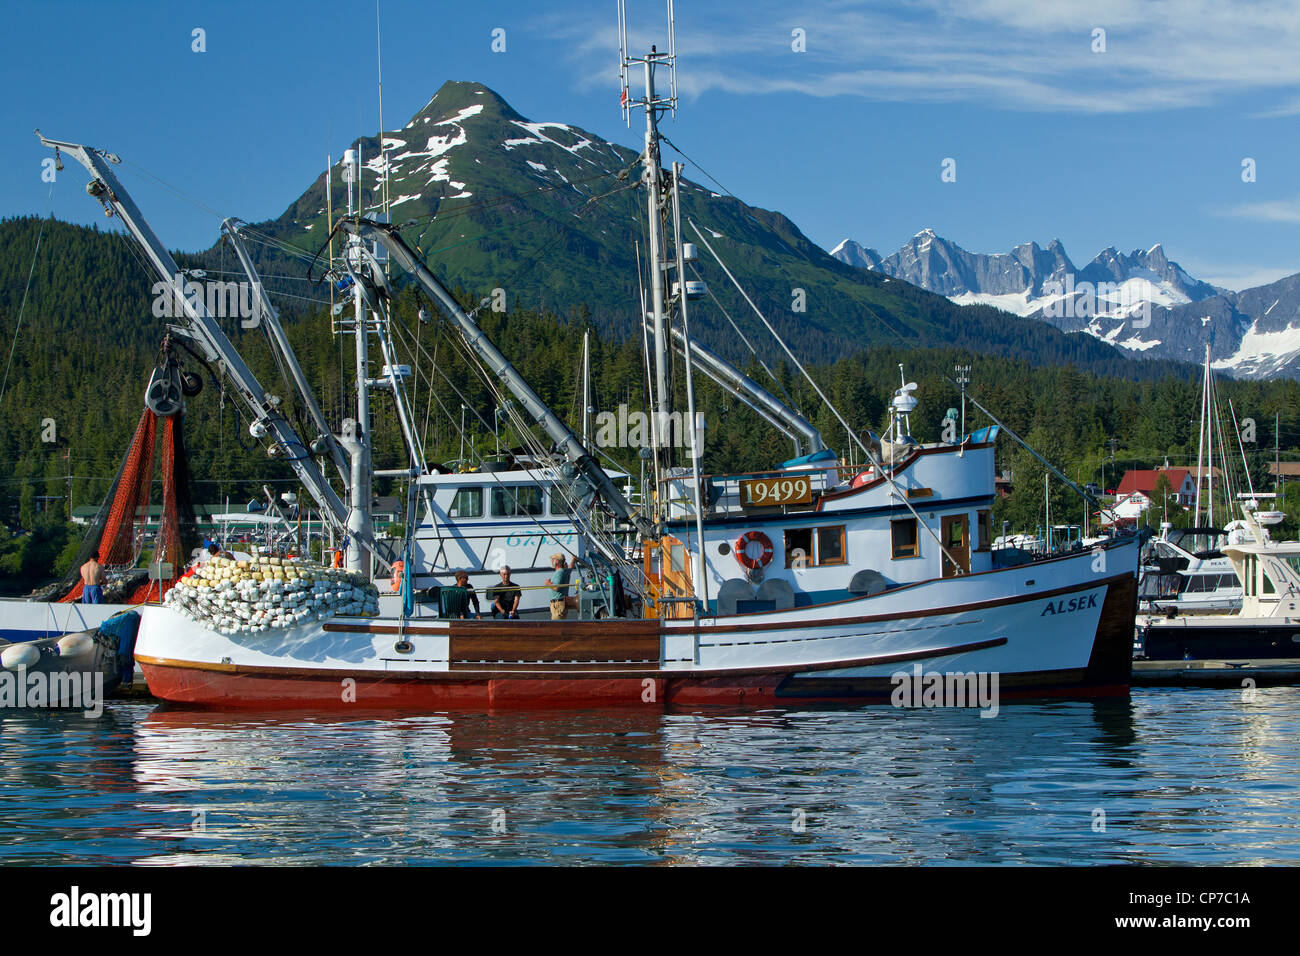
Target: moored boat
{"x": 818, "y": 580}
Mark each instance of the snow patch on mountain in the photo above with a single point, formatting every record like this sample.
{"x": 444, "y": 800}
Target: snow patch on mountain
{"x": 1262, "y": 353}
{"x": 1018, "y": 303}
{"x": 463, "y": 115}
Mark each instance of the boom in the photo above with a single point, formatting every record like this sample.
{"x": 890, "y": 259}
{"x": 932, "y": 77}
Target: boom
{"x": 202, "y": 329}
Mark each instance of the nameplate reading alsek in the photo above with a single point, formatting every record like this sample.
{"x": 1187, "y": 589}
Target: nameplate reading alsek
{"x": 775, "y": 492}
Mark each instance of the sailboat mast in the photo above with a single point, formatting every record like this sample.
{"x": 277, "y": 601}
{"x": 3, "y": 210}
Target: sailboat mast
{"x": 1200, "y": 441}
{"x": 1209, "y": 433}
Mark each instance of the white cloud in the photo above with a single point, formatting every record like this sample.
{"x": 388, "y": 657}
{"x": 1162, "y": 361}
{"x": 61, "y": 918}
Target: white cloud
{"x": 1270, "y": 210}
{"x": 1240, "y": 277}
{"x": 1160, "y": 54}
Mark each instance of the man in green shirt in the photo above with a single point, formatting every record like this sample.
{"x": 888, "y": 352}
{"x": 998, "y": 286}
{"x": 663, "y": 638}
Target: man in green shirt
{"x": 559, "y": 582}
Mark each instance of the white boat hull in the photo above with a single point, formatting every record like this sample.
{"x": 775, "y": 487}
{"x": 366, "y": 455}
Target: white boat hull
{"x": 1061, "y": 626}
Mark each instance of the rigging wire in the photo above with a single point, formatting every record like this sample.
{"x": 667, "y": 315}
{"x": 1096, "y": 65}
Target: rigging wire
{"x": 31, "y": 270}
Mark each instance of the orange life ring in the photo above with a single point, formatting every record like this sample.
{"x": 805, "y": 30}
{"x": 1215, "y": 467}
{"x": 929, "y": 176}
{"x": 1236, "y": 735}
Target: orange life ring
{"x": 396, "y": 581}
{"x": 742, "y": 549}
{"x": 862, "y": 478}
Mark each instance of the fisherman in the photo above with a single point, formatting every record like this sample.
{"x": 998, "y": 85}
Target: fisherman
{"x": 462, "y": 581}
{"x": 506, "y": 597}
{"x": 455, "y": 600}
{"x": 92, "y": 581}
{"x": 571, "y": 601}
{"x": 559, "y": 582}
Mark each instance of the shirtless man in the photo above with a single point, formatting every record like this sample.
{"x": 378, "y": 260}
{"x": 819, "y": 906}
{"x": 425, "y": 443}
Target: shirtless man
{"x": 92, "y": 580}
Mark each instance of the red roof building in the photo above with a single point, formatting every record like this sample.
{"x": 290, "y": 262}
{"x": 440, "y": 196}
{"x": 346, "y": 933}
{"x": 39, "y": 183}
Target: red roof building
{"x": 1143, "y": 481}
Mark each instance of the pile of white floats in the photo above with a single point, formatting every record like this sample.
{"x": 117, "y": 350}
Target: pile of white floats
{"x": 244, "y": 597}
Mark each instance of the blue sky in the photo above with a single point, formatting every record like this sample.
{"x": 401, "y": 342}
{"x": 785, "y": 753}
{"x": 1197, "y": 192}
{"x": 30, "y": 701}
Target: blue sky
{"x": 1139, "y": 144}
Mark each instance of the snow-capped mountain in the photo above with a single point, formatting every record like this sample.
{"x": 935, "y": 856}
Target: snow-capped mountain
{"x": 856, "y": 255}
{"x": 547, "y": 213}
{"x": 1031, "y": 278}
{"x": 1142, "y": 302}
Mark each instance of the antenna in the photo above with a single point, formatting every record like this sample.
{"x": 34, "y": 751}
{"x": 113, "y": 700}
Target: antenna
{"x": 622, "y": 63}
{"x": 625, "y": 61}
{"x": 672, "y": 59}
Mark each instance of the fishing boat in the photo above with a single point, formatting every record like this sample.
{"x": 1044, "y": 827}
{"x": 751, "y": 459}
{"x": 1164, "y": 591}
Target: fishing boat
{"x": 816, "y": 580}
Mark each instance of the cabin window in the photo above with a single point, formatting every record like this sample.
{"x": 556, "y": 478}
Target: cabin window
{"x": 520, "y": 500}
{"x": 904, "y": 539}
{"x": 468, "y": 503}
{"x": 985, "y": 524}
{"x": 559, "y": 504}
{"x": 799, "y": 548}
{"x": 810, "y": 547}
{"x": 677, "y": 557}
{"x": 1265, "y": 583}
{"x": 830, "y": 545}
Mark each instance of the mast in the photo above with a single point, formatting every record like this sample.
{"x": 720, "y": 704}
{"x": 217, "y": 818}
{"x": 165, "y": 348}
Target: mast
{"x": 1209, "y": 432}
{"x": 652, "y": 176}
{"x": 663, "y": 398}
{"x": 701, "y": 578}
{"x": 356, "y": 432}
{"x": 1200, "y": 440}
{"x": 586, "y": 385}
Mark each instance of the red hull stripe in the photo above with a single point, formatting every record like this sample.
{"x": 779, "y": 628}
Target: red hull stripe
{"x": 252, "y": 691}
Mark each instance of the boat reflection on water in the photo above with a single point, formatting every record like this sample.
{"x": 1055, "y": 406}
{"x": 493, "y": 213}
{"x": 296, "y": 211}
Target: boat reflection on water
{"x": 810, "y": 785}
{"x": 1168, "y": 776}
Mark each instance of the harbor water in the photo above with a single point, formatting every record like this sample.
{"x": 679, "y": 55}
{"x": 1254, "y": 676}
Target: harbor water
{"x": 1165, "y": 776}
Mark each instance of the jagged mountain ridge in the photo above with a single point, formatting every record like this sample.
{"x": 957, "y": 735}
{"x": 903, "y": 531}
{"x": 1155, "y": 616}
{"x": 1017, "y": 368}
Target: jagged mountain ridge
{"x": 1142, "y": 302}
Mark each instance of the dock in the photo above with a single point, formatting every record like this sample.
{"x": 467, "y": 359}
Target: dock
{"x": 1216, "y": 673}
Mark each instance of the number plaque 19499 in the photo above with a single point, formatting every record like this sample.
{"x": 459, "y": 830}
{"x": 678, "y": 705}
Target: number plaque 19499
{"x": 775, "y": 492}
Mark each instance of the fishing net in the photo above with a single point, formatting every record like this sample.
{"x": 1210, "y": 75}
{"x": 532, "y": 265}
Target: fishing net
{"x": 115, "y": 530}
{"x": 177, "y": 526}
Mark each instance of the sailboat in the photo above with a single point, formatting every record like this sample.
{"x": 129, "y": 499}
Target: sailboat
{"x": 1251, "y": 611}
{"x": 811, "y": 581}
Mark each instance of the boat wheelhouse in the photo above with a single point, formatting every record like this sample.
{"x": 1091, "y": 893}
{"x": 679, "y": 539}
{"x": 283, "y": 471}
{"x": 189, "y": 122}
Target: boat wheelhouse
{"x": 816, "y": 532}
{"x": 483, "y": 520}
